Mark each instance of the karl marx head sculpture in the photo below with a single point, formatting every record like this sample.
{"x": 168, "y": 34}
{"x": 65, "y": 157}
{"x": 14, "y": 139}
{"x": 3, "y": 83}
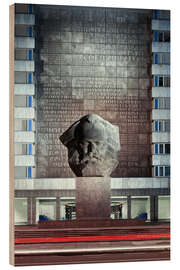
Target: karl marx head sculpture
{"x": 92, "y": 145}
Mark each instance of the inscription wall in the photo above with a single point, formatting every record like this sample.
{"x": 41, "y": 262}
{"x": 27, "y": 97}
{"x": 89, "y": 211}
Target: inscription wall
{"x": 93, "y": 60}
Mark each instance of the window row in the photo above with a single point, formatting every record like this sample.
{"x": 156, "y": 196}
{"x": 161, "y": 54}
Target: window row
{"x": 24, "y": 77}
{"x": 24, "y": 125}
{"x": 24, "y": 149}
{"x": 23, "y": 101}
{"x": 24, "y": 54}
{"x": 22, "y": 30}
{"x": 161, "y": 81}
{"x": 161, "y": 58}
{"x": 47, "y": 208}
{"x": 161, "y": 14}
{"x": 161, "y": 36}
{"x": 24, "y": 8}
{"x": 160, "y": 171}
{"x": 161, "y": 126}
{"x": 162, "y": 148}
{"x": 161, "y": 103}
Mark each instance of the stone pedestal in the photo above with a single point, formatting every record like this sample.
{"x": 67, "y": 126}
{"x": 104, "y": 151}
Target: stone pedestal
{"x": 93, "y": 198}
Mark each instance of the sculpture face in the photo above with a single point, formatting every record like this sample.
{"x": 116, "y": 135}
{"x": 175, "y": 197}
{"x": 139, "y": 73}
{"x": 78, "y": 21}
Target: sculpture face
{"x": 90, "y": 146}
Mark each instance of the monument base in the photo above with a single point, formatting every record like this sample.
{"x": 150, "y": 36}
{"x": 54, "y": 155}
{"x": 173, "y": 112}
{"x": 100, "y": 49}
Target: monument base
{"x": 90, "y": 223}
{"x": 93, "y": 198}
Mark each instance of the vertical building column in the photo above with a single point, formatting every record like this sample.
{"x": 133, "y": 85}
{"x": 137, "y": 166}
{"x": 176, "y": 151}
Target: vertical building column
{"x": 33, "y": 211}
{"x": 57, "y": 208}
{"x": 129, "y": 207}
{"x": 29, "y": 210}
{"x": 154, "y": 208}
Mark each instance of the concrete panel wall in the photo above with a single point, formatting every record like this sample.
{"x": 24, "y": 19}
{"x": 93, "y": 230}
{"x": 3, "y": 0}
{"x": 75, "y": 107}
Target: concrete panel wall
{"x": 161, "y": 25}
{"x": 164, "y": 207}
{"x": 160, "y": 160}
{"x": 24, "y": 160}
{"x": 24, "y": 113}
{"x": 160, "y": 47}
{"x": 24, "y": 137}
{"x": 160, "y": 69}
{"x": 160, "y": 92}
{"x": 25, "y": 42}
{"x": 24, "y": 89}
{"x": 20, "y": 65}
{"x": 158, "y": 137}
{"x": 69, "y": 183}
{"x": 28, "y": 19}
{"x": 160, "y": 114}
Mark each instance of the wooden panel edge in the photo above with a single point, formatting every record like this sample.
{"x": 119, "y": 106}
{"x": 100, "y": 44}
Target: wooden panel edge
{"x": 11, "y": 133}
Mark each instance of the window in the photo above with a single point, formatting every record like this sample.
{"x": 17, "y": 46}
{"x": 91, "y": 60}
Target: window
{"x": 29, "y": 77}
{"x": 161, "y": 81}
{"x": 29, "y": 125}
{"x": 155, "y": 14}
{"x": 30, "y": 31}
{"x": 161, "y": 103}
{"x": 167, "y": 171}
{"x": 161, "y": 171}
{"x": 29, "y": 172}
{"x": 29, "y": 150}
{"x": 161, "y": 148}
{"x": 30, "y": 54}
{"x": 161, "y": 36}
{"x": 162, "y": 125}
{"x": 29, "y": 101}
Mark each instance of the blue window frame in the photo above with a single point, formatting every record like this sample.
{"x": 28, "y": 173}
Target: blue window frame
{"x": 29, "y": 172}
{"x": 156, "y": 36}
{"x": 156, "y": 103}
{"x": 30, "y": 8}
{"x": 29, "y": 101}
{"x": 156, "y": 126}
{"x": 155, "y": 14}
{"x": 156, "y": 80}
{"x": 156, "y": 150}
{"x": 30, "y": 54}
{"x": 29, "y": 125}
{"x": 155, "y": 170}
{"x": 30, "y": 77}
{"x": 30, "y": 31}
{"x": 29, "y": 149}
{"x": 156, "y": 58}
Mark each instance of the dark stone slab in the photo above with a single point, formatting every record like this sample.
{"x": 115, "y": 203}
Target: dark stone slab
{"x": 93, "y": 197}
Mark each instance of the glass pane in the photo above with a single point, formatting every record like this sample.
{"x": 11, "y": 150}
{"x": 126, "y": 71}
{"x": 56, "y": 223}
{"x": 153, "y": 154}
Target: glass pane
{"x": 45, "y": 209}
{"x": 167, "y": 36}
{"x": 167, "y": 81}
{"x": 20, "y": 209}
{"x": 160, "y": 171}
{"x": 164, "y": 207}
{"x": 160, "y": 81}
{"x": 167, "y": 171}
{"x": 160, "y": 36}
{"x": 119, "y": 208}
{"x": 167, "y": 148}
{"x": 140, "y": 207}
{"x": 161, "y": 149}
{"x": 167, "y": 126}
{"x": 160, "y": 126}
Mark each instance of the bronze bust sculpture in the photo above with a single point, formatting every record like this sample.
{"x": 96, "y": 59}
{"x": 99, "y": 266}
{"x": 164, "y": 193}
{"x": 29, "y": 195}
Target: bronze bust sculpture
{"x": 93, "y": 144}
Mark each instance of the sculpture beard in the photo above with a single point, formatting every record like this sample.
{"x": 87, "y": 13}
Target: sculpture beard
{"x": 91, "y": 158}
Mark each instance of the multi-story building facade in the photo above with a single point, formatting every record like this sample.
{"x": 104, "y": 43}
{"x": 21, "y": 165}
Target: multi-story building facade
{"x": 71, "y": 61}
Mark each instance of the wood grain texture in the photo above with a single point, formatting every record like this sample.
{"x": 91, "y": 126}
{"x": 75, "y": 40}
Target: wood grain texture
{"x": 11, "y": 135}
